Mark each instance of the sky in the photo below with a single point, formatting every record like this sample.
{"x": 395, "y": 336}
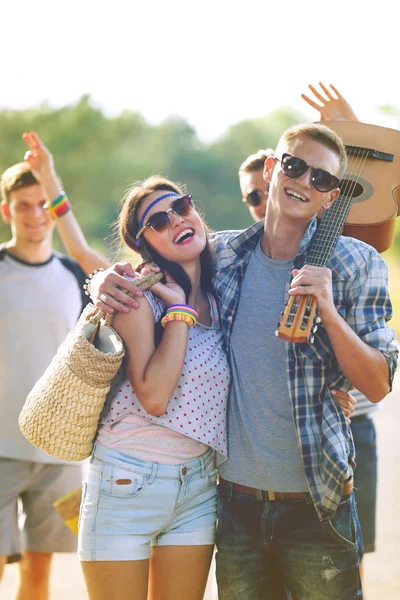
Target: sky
{"x": 214, "y": 63}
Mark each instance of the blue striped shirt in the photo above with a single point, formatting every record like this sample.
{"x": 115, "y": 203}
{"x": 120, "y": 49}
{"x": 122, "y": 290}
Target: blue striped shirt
{"x": 359, "y": 281}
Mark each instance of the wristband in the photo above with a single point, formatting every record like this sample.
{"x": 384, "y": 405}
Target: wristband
{"x": 58, "y": 207}
{"x": 88, "y": 279}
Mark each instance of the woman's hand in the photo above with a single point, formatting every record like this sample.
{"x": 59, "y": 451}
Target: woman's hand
{"x": 168, "y": 291}
{"x": 332, "y": 109}
{"x": 346, "y": 401}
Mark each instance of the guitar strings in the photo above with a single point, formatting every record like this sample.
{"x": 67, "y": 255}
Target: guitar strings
{"x": 322, "y": 246}
{"x": 324, "y": 242}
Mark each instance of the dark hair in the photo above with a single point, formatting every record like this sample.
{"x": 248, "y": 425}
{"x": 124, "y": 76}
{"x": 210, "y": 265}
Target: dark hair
{"x": 128, "y": 227}
{"x": 256, "y": 161}
{"x": 16, "y": 177}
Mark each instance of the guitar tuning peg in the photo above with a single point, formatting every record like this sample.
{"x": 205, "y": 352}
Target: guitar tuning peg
{"x": 312, "y": 339}
{"x": 318, "y": 320}
{"x": 276, "y": 333}
{"x": 315, "y": 328}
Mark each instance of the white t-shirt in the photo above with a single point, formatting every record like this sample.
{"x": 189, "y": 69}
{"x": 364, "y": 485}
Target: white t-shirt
{"x": 39, "y": 305}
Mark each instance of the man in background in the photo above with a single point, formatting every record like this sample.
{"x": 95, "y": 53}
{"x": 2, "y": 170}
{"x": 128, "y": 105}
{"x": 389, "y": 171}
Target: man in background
{"x": 41, "y": 298}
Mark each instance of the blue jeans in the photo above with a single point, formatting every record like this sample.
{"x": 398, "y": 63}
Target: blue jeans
{"x": 365, "y": 477}
{"x": 266, "y": 549}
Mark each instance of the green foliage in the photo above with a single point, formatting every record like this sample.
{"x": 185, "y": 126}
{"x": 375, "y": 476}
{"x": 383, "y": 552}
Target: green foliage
{"x": 99, "y": 157}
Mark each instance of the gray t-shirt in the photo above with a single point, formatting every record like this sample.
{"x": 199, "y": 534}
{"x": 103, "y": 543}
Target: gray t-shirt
{"x": 260, "y": 418}
{"x": 39, "y": 305}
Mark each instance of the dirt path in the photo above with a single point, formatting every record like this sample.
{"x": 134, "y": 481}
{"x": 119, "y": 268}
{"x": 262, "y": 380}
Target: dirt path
{"x": 382, "y": 575}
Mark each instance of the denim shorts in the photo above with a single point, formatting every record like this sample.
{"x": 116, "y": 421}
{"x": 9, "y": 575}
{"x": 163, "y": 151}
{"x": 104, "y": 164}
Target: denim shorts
{"x": 129, "y": 505}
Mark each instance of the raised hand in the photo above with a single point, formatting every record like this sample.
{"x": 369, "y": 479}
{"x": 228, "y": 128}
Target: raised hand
{"x": 331, "y": 108}
{"x": 38, "y": 156}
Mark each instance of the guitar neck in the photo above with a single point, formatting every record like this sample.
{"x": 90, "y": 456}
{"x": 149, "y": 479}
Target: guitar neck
{"x": 329, "y": 231}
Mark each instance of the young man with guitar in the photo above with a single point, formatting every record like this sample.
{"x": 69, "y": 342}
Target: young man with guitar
{"x": 287, "y": 515}
{"x": 332, "y": 106}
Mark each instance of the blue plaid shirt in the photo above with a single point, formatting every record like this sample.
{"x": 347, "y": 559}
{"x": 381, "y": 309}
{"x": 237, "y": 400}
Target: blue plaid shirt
{"x": 359, "y": 280}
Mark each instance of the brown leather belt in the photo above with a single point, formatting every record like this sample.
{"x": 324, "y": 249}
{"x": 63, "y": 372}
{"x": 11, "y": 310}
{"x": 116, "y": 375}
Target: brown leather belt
{"x": 266, "y": 495}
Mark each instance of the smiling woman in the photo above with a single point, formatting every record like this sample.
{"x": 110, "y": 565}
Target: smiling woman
{"x": 164, "y": 418}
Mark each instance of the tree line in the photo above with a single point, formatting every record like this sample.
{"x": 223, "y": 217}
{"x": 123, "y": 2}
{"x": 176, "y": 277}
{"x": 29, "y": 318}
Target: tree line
{"x": 98, "y": 157}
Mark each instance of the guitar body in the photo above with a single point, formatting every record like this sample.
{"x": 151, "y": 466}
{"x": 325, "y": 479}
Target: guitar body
{"x": 375, "y": 183}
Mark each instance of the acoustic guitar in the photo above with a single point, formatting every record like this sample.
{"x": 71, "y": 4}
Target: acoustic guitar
{"x": 366, "y": 208}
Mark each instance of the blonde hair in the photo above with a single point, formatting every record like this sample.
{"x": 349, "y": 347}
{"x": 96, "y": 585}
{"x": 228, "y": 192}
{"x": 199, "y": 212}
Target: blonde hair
{"x": 321, "y": 134}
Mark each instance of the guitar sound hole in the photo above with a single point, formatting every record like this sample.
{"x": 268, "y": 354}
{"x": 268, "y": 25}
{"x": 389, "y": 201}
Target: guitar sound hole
{"x": 351, "y": 188}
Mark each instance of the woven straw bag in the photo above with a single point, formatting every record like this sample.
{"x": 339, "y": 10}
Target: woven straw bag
{"x": 61, "y": 413}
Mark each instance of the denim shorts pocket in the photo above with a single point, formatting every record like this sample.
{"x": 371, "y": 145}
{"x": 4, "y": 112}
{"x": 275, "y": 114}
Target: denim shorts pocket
{"x": 212, "y": 478}
{"x": 341, "y": 527}
{"x": 119, "y": 482}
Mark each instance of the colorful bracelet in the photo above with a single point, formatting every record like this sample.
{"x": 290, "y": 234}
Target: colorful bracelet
{"x": 58, "y": 207}
{"x": 88, "y": 279}
{"x": 180, "y": 312}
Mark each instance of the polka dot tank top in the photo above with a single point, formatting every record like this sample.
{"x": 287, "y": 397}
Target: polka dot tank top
{"x": 197, "y": 408}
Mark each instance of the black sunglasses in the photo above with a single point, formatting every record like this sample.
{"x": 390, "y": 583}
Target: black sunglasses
{"x": 293, "y": 166}
{"x": 253, "y": 198}
{"x": 160, "y": 221}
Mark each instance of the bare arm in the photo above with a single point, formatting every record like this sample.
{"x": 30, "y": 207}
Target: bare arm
{"x": 42, "y": 165}
{"x": 154, "y": 372}
{"x": 363, "y": 365}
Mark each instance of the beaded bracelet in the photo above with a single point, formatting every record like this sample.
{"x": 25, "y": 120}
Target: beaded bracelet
{"x": 180, "y": 312}
{"x": 88, "y": 279}
{"x": 58, "y": 207}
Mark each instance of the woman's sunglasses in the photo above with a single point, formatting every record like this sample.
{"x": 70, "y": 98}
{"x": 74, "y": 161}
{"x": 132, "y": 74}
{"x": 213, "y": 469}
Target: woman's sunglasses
{"x": 253, "y": 198}
{"x": 160, "y": 221}
{"x": 293, "y": 166}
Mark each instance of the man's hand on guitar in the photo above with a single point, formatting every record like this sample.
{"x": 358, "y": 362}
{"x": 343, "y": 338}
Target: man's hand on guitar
{"x": 316, "y": 282}
{"x": 332, "y": 109}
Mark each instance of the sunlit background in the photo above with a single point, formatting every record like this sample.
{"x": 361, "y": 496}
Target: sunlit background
{"x": 213, "y": 63}
{"x": 120, "y": 90}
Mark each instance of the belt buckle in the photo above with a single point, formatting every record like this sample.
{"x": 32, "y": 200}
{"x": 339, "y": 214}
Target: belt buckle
{"x": 261, "y": 495}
